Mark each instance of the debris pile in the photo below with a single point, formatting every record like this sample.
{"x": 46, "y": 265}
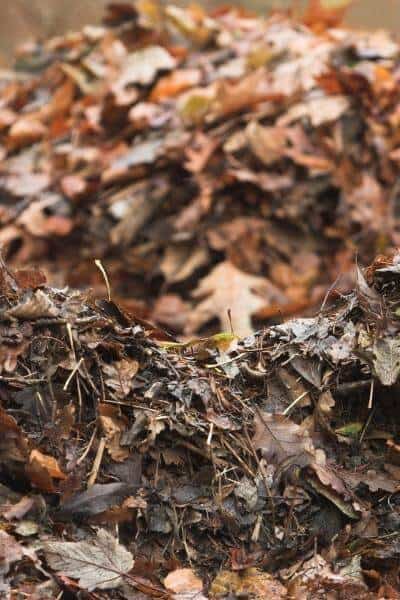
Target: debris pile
{"x": 134, "y": 466}
{"x": 187, "y": 150}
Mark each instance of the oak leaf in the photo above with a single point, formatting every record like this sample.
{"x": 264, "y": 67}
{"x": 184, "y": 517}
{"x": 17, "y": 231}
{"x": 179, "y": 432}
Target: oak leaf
{"x": 227, "y": 288}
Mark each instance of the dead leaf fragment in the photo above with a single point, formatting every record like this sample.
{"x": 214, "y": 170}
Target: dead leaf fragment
{"x": 183, "y": 580}
{"x": 99, "y": 563}
{"x": 250, "y": 581}
{"x": 143, "y": 65}
{"x": 35, "y": 306}
{"x": 279, "y": 438}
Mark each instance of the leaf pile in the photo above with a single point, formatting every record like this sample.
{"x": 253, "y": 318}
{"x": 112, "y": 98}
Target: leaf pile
{"x": 132, "y": 466}
{"x": 211, "y": 161}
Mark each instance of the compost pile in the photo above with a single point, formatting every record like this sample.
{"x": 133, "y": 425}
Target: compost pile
{"x": 186, "y": 150}
{"x": 262, "y": 467}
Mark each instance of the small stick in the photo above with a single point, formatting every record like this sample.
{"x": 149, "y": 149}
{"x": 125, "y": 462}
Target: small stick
{"x": 210, "y": 434}
{"x": 102, "y": 270}
{"x": 371, "y": 395}
{"x": 293, "y": 404}
{"x": 74, "y": 370}
{"x": 87, "y": 449}
{"x": 241, "y": 461}
{"x": 97, "y": 462}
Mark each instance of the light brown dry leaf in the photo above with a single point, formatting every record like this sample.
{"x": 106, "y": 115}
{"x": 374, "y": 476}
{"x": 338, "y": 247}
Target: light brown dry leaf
{"x": 42, "y": 469}
{"x": 316, "y": 578}
{"x": 112, "y": 429}
{"x": 267, "y": 143}
{"x": 26, "y": 183}
{"x": 174, "y": 84}
{"x": 120, "y": 375}
{"x": 35, "y": 306}
{"x": 183, "y": 580}
{"x": 38, "y": 223}
{"x": 319, "y": 110}
{"x": 249, "y": 582}
{"x": 227, "y": 288}
{"x": 143, "y": 65}
{"x": 366, "y": 204}
{"x": 24, "y": 132}
{"x": 181, "y": 261}
{"x": 49, "y": 463}
{"x": 11, "y": 551}
{"x": 247, "y": 92}
{"x": 279, "y": 438}
{"x": 171, "y": 310}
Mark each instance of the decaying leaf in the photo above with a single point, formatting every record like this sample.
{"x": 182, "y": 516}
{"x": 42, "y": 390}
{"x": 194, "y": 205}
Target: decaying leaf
{"x": 99, "y": 563}
{"x": 143, "y": 65}
{"x": 251, "y": 581}
{"x": 183, "y": 580}
{"x": 34, "y": 306}
{"x": 227, "y": 288}
{"x": 120, "y": 376}
{"x": 278, "y": 438}
{"x": 97, "y": 499}
{"x": 386, "y": 360}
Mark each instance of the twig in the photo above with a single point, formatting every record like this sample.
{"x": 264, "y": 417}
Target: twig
{"x": 102, "y": 270}
{"x": 87, "y": 449}
{"x": 97, "y": 462}
{"x": 293, "y": 404}
{"x": 74, "y": 370}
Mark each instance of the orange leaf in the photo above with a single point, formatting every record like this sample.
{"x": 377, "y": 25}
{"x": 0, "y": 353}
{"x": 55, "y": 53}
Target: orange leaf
{"x": 175, "y": 83}
{"x": 47, "y": 462}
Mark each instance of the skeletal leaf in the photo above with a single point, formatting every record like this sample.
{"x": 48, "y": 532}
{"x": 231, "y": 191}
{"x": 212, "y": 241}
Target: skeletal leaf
{"x": 98, "y": 563}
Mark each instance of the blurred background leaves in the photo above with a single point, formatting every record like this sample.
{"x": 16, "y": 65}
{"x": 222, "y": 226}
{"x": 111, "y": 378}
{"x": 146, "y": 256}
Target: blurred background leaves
{"x": 22, "y": 20}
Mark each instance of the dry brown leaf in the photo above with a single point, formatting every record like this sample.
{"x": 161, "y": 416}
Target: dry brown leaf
{"x": 143, "y": 65}
{"x": 24, "y": 132}
{"x": 38, "y": 223}
{"x": 120, "y": 375}
{"x": 267, "y": 143}
{"x": 112, "y": 429}
{"x": 279, "y": 438}
{"x": 42, "y": 469}
{"x": 183, "y": 580}
{"x": 171, "y": 311}
{"x": 249, "y": 582}
{"x": 247, "y": 92}
{"x": 174, "y": 84}
{"x": 34, "y": 306}
{"x": 366, "y": 204}
{"x": 225, "y": 289}
{"x": 181, "y": 261}
{"x": 319, "y": 110}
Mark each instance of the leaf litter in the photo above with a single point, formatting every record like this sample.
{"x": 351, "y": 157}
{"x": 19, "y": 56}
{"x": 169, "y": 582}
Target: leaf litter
{"x": 187, "y": 149}
{"x": 180, "y": 475}
{"x": 224, "y": 168}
